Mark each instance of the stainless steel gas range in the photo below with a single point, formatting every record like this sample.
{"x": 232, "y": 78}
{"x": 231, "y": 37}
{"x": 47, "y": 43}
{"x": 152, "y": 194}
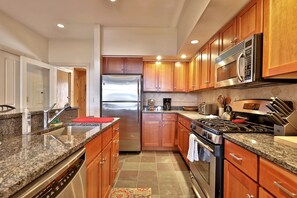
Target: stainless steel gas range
{"x": 207, "y": 173}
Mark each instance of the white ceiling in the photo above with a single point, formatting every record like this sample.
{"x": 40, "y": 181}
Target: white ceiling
{"x": 79, "y": 16}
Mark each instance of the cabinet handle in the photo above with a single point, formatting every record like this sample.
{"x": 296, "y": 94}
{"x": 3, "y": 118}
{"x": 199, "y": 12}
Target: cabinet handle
{"x": 249, "y": 196}
{"x": 234, "y": 40}
{"x": 235, "y": 157}
{"x": 101, "y": 162}
{"x": 278, "y": 184}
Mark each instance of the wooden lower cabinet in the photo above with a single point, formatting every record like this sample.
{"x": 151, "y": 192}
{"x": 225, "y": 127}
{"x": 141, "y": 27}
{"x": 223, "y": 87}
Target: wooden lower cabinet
{"x": 94, "y": 177}
{"x": 158, "y": 131}
{"x": 237, "y": 184}
{"x": 183, "y": 141}
{"x": 102, "y": 161}
{"x": 106, "y": 170}
{"x": 264, "y": 194}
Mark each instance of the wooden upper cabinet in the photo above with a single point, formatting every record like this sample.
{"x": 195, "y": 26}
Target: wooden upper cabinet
{"x": 280, "y": 30}
{"x": 180, "y": 77}
{"x": 150, "y": 77}
{"x": 191, "y": 74}
{"x": 250, "y": 20}
{"x": 204, "y": 68}
{"x": 133, "y": 66}
{"x": 121, "y": 65}
{"x": 158, "y": 77}
{"x": 113, "y": 65}
{"x": 165, "y": 76}
{"x": 228, "y": 35}
{"x": 213, "y": 54}
{"x": 197, "y": 70}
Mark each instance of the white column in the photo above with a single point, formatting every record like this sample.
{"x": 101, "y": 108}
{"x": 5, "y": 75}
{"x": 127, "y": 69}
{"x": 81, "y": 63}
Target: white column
{"x": 94, "y": 76}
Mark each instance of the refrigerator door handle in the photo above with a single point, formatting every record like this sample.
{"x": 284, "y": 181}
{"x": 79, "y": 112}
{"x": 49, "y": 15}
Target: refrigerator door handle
{"x": 138, "y": 98}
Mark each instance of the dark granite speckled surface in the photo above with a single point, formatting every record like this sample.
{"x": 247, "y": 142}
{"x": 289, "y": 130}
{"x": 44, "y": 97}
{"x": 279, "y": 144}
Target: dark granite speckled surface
{"x": 265, "y": 146}
{"x": 23, "y": 158}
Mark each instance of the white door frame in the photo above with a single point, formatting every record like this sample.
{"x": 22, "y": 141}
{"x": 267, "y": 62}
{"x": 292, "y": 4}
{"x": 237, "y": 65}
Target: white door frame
{"x": 24, "y": 61}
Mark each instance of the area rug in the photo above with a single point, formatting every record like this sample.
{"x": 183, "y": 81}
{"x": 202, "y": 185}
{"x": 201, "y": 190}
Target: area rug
{"x": 130, "y": 193}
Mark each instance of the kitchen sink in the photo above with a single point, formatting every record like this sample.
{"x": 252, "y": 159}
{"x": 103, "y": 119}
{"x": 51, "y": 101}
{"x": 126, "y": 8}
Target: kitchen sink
{"x": 71, "y": 130}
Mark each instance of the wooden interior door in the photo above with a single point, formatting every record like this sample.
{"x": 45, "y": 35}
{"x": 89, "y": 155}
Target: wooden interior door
{"x": 80, "y": 91}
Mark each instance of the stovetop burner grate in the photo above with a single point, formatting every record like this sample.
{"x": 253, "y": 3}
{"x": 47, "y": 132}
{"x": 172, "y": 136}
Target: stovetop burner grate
{"x": 219, "y": 126}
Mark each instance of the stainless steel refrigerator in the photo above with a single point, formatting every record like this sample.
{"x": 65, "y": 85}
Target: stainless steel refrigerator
{"x": 121, "y": 97}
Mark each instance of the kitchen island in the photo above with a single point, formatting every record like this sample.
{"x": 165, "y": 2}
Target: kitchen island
{"x": 26, "y": 157}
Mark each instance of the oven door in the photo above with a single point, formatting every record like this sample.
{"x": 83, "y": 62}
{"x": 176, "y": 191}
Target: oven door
{"x": 204, "y": 171}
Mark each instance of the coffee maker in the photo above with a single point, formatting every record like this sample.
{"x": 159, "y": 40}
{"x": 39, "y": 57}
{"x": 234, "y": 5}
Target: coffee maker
{"x": 166, "y": 104}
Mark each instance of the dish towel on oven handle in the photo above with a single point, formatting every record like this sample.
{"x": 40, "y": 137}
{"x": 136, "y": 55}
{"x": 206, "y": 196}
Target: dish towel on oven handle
{"x": 193, "y": 149}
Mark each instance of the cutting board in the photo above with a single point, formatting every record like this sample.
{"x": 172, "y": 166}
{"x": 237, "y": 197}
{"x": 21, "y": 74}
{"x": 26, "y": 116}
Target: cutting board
{"x": 288, "y": 140}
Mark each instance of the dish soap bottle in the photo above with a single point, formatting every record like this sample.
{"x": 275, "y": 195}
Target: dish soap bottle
{"x": 26, "y": 121}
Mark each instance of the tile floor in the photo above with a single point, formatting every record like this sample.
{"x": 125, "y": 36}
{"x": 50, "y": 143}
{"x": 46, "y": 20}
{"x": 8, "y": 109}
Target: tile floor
{"x": 165, "y": 172}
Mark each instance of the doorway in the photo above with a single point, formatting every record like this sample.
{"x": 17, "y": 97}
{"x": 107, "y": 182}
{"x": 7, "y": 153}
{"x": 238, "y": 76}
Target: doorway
{"x": 80, "y": 90}
{"x": 63, "y": 87}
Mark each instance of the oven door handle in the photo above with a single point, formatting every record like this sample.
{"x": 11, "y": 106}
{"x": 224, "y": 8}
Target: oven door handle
{"x": 203, "y": 145}
{"x": 238, "y": 67}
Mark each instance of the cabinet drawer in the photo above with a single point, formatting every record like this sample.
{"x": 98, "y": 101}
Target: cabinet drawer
{"x": 151, "y": 116}
{"x": 278, "y": 181}
{"x": 106, "y": 137}
{"x": 115, "y": 129}
{"x": 185, "y": 122}
{"x": 243, "y": 159}
{"x": 93, "y": 148}
{"x": 169, "y": 117}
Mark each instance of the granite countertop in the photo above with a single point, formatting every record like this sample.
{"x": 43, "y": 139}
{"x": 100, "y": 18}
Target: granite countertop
{"x": 26, "y": 157}
{"x": 265, "y": 146}
{"x": 189, "y": 114}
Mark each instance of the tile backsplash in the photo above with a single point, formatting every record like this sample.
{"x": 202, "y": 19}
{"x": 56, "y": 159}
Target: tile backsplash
{"x": 285, "y": 92}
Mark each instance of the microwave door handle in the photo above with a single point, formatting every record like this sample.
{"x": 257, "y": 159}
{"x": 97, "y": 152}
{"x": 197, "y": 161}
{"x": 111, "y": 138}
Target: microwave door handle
{"x": 238, "y": 67}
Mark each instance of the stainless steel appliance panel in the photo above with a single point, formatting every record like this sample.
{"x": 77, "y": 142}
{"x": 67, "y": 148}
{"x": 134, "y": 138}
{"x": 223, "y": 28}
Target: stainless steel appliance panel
{"x": 67, "y": 179}
{"x": 130, "y": 119}
{"x": 121, "y": 88}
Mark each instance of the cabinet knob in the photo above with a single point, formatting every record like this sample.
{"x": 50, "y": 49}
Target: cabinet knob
{"x": 249, "y": 196}
{"x": 101, "y": 162}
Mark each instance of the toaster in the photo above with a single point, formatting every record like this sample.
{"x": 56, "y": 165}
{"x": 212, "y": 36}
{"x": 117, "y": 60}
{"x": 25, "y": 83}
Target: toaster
{"x": 207, "y": 109}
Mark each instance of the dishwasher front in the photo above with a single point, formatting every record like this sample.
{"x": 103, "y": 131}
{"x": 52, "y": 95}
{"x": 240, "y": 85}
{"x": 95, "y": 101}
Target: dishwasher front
{"x": 67, "y": 179}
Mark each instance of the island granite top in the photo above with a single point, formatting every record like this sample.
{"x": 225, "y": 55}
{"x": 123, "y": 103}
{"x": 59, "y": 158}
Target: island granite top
{"x": 265, "y": 146}
{"x": 26, "y": 157}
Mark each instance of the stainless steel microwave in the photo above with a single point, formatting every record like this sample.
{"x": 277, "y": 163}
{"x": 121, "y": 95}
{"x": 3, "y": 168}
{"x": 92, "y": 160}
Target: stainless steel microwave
{"x": 241, "y": 64}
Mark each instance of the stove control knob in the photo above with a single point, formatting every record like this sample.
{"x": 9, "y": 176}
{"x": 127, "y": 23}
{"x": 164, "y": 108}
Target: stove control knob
{"x": 209, "y": 136}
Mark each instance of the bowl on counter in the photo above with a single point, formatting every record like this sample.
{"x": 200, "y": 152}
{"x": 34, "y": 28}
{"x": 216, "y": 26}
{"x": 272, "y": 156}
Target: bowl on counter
{"x": 190, "y": 108}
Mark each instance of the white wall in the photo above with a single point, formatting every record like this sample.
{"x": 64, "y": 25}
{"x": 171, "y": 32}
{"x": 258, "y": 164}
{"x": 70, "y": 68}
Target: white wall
{"x": 138, "y": 41}
{"x": 19, "y": 39}
{"x": 73, "y": 51}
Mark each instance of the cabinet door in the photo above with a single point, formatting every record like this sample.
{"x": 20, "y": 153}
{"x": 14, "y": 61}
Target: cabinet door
{"x": 151, "y": 130}
{"x": 237, "y": 184}
{"x": 115, "y": 157}
{"x": 264, "y": 194}
{"x": 165, "y": 76}
{"x": 113, "y": 65}
{"x": 213, "y": 54}
{"x": 204, "y": 68}
{"x": 280, "y": 30}
{"x": 228, "y": 35}
{"x": 186, "y": 135}
{"x": 150, "y": 77}
{"x": 180, "y": 140}
{"x": 93, "y": 178}
{"x": 191, "y": 75}
{"x": 168, "y": 133}
{"x": 106, "y": 170}
{"x": 133, "y": 66}
{"x": 180, "y": 77}
{"x": 250, "y": 19}
{"x": 197, "y": 71}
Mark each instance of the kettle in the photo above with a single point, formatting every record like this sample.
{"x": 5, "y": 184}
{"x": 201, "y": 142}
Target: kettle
{"x": 228, "y": 114}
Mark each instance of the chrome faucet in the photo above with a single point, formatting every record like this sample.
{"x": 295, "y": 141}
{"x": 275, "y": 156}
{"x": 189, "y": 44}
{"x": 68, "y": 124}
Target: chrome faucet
{"x": 46, "y": 114}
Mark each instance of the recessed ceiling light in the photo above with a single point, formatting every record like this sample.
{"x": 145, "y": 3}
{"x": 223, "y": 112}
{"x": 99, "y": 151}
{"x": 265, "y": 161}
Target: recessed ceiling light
{"x": 60, "y": 25}
{"x": 113, "y": 0}
{"x": 194, "y": 41}
{"x": 159, "y": 57}
{"x": 183, "y": 56}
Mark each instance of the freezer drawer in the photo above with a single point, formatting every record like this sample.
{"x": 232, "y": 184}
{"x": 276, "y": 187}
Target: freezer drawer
{"x": 130, "y": 119}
